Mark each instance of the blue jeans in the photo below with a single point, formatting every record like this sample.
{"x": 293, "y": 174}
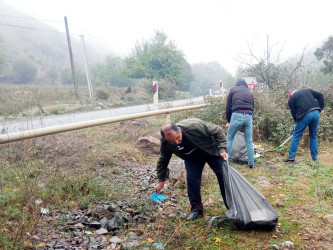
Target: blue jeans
{"x": 244, "y": 121}
{"x": 310, "y": 120}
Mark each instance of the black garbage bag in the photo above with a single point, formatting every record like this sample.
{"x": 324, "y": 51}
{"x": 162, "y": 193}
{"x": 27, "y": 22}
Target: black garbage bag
{"x": 248, "y": 208}
{"x": 239, "y": 151}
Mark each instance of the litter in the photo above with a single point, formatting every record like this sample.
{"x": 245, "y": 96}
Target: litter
{"x": 159, "y": 198}
{"x": 159, "y": 245}
{"x": 44, "y": 211}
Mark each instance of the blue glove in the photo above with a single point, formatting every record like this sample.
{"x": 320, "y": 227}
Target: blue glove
{"x": 158, "y": 197}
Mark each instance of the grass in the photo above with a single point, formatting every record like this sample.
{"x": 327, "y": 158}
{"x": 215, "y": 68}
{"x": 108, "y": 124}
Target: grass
{"x": 93, "y": 166}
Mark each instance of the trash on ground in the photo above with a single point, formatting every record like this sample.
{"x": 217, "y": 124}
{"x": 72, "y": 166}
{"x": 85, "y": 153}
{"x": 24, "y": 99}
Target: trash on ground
{"x": 158, "y": 197}
{"x": 44, "y": 211}
{"x": 159, "y": 245}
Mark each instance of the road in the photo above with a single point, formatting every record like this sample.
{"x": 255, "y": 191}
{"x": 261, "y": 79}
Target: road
{"x": 42, "y": 122}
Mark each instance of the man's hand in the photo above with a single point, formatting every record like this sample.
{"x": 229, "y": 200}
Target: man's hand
{"x": 227, "y": 125}
{"x": 159, "y": 187}
{"x": 321, "y": 112}
{"x": 224, "y": 155}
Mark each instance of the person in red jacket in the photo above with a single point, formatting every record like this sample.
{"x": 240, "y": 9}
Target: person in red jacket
{"x": 306, "y": 106}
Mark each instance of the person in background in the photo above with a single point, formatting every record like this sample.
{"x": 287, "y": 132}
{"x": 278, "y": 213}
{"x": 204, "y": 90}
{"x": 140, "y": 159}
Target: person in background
{"x": 239, "y": 111}
{"x": 306, "y": 106}
{"x": 197, "y": 142}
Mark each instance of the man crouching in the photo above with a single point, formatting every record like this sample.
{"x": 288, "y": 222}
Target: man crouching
{"x": 197, "y": 142}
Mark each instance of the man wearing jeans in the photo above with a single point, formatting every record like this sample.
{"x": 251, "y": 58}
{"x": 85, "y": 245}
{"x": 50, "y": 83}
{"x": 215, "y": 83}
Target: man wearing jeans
{"x": 197, "y": 142}
{"x": 239, "y": 110}
{"x": 306, "y": 106}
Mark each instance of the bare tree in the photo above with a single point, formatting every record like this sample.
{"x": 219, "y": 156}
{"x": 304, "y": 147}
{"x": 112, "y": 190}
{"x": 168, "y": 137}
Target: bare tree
{"x": 272, "y": 70}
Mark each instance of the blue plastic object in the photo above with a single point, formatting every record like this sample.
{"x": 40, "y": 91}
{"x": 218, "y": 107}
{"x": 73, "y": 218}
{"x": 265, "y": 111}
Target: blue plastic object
{"x": 159, "y": 245}
{"x": 158, "y": 197}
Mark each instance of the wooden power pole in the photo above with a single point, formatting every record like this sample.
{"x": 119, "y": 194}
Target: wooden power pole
{"x": 71, "y": 59}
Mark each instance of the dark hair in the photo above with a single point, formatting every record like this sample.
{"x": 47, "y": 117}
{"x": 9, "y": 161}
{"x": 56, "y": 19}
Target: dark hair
{"x": 173, "y": 127}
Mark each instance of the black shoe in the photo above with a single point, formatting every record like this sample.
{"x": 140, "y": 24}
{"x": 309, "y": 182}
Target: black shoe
{"x": 251, "y": 166}
{"x": 194, "y": 215}
{"x": 289, "y": 159}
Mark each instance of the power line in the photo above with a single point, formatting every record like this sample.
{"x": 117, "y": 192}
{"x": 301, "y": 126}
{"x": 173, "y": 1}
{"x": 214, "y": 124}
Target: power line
{"x": 97, "y": 39}
{"x": 17, "y": 26}
{"x": 36, "y": 19}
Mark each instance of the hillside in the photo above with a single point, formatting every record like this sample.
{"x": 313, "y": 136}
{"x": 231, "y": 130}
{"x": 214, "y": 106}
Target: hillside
{"x": 23, "y": 38}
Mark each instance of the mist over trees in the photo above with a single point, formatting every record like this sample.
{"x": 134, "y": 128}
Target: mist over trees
{"x": 208, "y": 76}
{"x": 325, "y": 53}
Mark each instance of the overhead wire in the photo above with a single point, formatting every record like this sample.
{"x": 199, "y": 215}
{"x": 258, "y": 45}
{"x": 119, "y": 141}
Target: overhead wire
{"x": 31, "y": 18}
{"x": 96, "y": 39}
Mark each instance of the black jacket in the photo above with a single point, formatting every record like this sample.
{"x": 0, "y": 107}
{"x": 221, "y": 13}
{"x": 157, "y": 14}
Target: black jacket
{"x": 240, "y": 98}
{"x": 303, "y": 101}
{"x": 207, "y": 136}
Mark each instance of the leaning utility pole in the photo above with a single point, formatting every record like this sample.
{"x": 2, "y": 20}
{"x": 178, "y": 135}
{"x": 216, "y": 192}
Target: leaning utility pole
{"x": 91, "y": 93}
{"x": 71, "y": 58}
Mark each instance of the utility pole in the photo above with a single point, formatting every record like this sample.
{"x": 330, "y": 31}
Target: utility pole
{"x": 91, "y": 93}
{"x": 71, "y": 58}
{"x": 155, "y": 95}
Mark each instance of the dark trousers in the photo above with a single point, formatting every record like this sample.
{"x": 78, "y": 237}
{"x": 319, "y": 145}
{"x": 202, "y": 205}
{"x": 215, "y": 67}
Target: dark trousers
{"x": 193, "y": 175}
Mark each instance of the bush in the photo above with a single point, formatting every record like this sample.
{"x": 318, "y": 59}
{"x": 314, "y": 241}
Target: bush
{"x": 103, "y": 95}
{"x": 272, "y": 120}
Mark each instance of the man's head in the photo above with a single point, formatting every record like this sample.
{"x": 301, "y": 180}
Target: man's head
{"x": 172, "y": 133}
{"x": 241, "y": 82}
{"x": 289, "y": 92}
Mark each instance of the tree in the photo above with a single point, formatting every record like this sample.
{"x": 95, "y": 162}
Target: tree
{"x": 272, "y": 70}
{"x": 23, "y": 71}
{"x": 325, "y": 53}
{"x": 109, "y": 72}
{"x": 158, "y": 59}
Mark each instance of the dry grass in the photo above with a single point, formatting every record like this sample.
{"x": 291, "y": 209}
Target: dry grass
{"x": 89, "y": 165}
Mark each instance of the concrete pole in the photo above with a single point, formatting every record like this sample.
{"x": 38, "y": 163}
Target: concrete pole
{"x": 91, "y": 93}
{"x": 155, "y": 95}
{"x": 71, "y": 58}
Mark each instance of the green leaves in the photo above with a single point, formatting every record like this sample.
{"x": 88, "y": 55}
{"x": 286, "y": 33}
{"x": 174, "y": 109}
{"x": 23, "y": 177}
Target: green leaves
{"x": 158, "y": 59}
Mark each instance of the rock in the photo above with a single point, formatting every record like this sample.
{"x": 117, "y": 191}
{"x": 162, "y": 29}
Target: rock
{"x": 329, "y": 218}
{"x": 115, "y": 240}
{"x": 148, "y": 145}
{"x": 94, "y": 245}
{"x": 95, "y": 224}
{"x": 287, "y": 245}
{"x": 115, "y": 222}
{"x": 101, "y": 231}
{"x": 176, "y": 172}
{"x": 131, "y": 244}
{"x": 104, "y": 222}
{"x": 102, "y": 212}
{"x": 110, "y": 208}
{"x": 275, "y": 247}
{"x": 131, "y": 236}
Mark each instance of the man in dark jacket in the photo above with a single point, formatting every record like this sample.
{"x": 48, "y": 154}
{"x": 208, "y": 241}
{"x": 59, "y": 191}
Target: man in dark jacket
{"x": 197, "y": 142}
{"x": 239, "y": 110}
{"x": 306, "y": 106}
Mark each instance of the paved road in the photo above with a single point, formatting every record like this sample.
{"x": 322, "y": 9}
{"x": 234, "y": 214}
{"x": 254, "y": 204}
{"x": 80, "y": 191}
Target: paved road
{"x": 42, "y": 122}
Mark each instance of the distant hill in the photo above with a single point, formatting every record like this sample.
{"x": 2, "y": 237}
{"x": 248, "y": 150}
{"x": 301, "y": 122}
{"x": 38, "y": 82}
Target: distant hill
{"x": 41, "y": 46}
